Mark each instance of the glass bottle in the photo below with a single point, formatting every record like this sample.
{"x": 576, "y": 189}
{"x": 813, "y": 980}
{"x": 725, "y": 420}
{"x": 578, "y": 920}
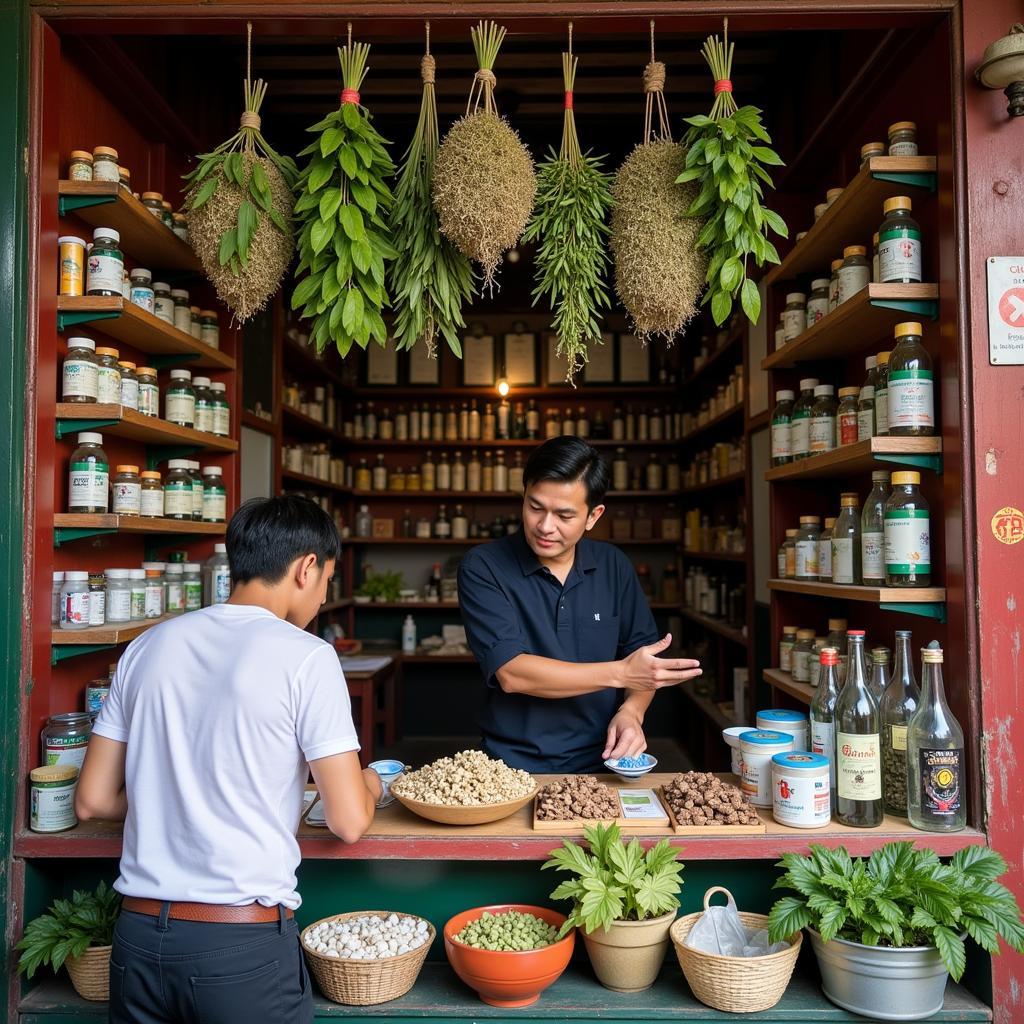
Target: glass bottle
{"x": 911, "y": 399}
{"x": 817, "y": 301}
{"x": 424, "y": 423}
{"x": 833, "y": 285}
{"x": 807, "y": 548}
{"x": 137, "y": 580}
{"x": 182, "y": 310}
{"x": 654, "y": 475}
{"x": 197, "y": 489}
{"x": 786, "y": 645}
{"x": 620, "y": 470}
{"x": 858, "y": 745}
{"x": 105, "y": 264}
{"x": 221, "y": 409}
{"x": 801, "y": 419}
{"x": 503, "y": 424}
{"x": 790, "y": 553}
{"x": 451, "y": 423}
{"x": 89, "y": 475}
{"x": 363, "y": 478}
{"x": 855, "y": 273}
{"x": 108, "y": 377}
{"x": 406, "y": 527}
{"x": 846, "y": 542}
{"x": 822, "y": 713}
{"x": 149, "y": 391}
{"x": 204, "y": 404}
{"x": 907, "y": 534}
{"x": 215, "y": 495}
{"x": 487, "y": 474}
{"x": 515, "y": 474}
{"x": 488, "y": 423}
{"x": 217, "y": 576}
{"x": 178, "y": 490}
{"x": 180, "y": 399}
{"x": 402, "y": 424}
{"x": 151, "y": 495}
{"x": 474, "y": 473}
{"x": 837, "y": 638}
{"x": 937, "y": 799}
{"x": 899, "y": 702}
{"x": 458, "y": 473}
{"x": 866, "y": 423}
{"x": 192, "y": 585}
{"x": 364, "y": 522}
{"x": 174, "y": 588}
{"x": 825, "y": 551}
{"x": 618, "y": 425}
{"x": 156, "y": 593}
{"x": 782, "y": 428}
{"x": 500, "y": 472}
{"x": 903, "y": 139}
{"x": 379, "y": 478}
{"x": 532, "y": 420}
{"x": 163, "y": 304}
{"x": 803, "y": 651}
{"x": 848, "y": 417}
{"x": 882, "y": 395}
{"x": 899, "y": 243}
{"x": 460, "y": 524}
{"x": 519, "y": 422}
{"x": 794, "y": 316}
{"x": 442, "y": 526}
{"x": 822, "y": 432}
{"x": 370, "y": 423}
{"x": 127, "y": 492}
{"x": 879, "y": 678}
{"x": 443, "y": 474}
{"x": 429, "y": 473}
{"x": 872, "y": 531}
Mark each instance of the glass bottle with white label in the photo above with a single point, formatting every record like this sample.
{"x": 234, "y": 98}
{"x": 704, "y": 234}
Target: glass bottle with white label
{"x": 178, "y": 490}
{"x": 882, "y": 395}
{"x": 899, "y": 702}
{"x": 848, "y": 417}
{"x": 846, "y": 546}
{"x": 807, "y": 548}
{"x": 822, "y": 431}
{"x": 899, "y": 243}
{"x": 789, "y": 554}
{"x": 823, "y": 713}
{"x": 180, "y": 399}
{"x": 89, "y": 475}
{"x": 817, "y": 301}
{"x": 855, "y": 273}
{"x": 937, "y": 798}
{"x": 80, "y": 376}
{"x": 825, "y": 551}
{"x": 800, "y": 429}
{"x": 872, "y": 531}
{"x": 794, "y": 316}
{"x": 782, "y": 428}
{"x": 215, "y": 495}
{"x": 858, "y": 745}
{"x": 105, "y": 264}
{"x": 911, "y": 387}
{"x": 907, "y": 534}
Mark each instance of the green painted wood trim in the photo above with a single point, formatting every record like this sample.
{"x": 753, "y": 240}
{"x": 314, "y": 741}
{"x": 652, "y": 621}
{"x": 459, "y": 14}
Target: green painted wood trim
{"x": 65, "y": 320}
{"x": 934, "y": 610}
{"x": 64, "y": 652}
{"x": 65, "y": 427}
{"x": 933, "y": 463}
{"x": 66, "y": 534}
{"x": 68, "y": 204}
{"x": 917, "y": 307}
{"x": 921, "y": 179}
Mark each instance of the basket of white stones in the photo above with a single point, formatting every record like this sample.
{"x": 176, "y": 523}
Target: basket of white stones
{"x": 367, "y": 957}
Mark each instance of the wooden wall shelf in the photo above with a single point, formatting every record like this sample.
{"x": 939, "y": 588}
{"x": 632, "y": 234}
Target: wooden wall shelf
{"x": 736, "y": 412}
{"x": 313, "y": 481}
{"x": 717, "y": 626}
{"x": 929, "y": 602}
{"x": 296, "y": 422}
{"x": 714, "y": 359}
{"x": 71, "y": 526}
{"x": 918, "y": 452}
{"x": 121, "y": 421}
{"x": 512, "y": 443}
{"x": 458, "y": 497}
{"x": 710, "y": 485}
{"x": 524, "y": 392}
{"x": 714, "y": 556}
{"x": 785, "y": 682}
{"x": 70, "y": 643}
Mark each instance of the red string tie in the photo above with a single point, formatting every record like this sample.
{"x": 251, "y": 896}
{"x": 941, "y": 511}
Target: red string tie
{"x": 568, "y": 100}
{"x": 350, "y": 96}
{"x": 723, "y": 85}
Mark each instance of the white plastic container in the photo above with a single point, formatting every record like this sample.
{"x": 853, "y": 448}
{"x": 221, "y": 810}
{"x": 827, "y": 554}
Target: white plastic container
{"x": 758, "y": 747}
{"x": 732, "y": 738}
{"x": 794, "y": 723}
{"x": 801, "y": 794}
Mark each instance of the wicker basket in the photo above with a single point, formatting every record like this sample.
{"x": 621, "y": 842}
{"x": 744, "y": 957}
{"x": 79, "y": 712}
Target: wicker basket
{"x": 365, "y": 982}
{"x": 90, "y": 973}
{"x": 732, "y": 983}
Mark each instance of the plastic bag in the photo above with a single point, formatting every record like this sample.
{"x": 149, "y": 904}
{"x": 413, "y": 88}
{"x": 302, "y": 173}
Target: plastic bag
{"x": 720, "y": 930}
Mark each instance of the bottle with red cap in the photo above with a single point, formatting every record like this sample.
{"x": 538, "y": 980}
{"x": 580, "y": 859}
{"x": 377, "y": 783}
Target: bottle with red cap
{"x": 823, "y": 713}
{"x": 858, "y": 744}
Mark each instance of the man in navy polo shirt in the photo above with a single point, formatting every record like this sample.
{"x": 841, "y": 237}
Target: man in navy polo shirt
{"x": 564, "y": 635}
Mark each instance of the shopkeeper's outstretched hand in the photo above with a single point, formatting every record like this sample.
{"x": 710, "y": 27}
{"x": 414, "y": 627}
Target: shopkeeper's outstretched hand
{"x": 643, "y": 670}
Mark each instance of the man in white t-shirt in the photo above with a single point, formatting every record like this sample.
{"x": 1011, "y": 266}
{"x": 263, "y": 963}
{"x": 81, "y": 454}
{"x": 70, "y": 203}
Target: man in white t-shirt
{"x": 203, "y": 748}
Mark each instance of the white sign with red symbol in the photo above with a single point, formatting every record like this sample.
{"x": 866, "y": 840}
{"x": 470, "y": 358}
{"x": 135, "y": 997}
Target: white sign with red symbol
{"x": 1006, "y": 310}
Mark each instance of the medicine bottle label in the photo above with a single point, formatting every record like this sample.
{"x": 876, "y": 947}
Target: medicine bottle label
{"x": 97, "y": 607}
{"x": 87, "y": 485}
{"x": 782, "y": 440}
{"x": 898, "y": 737}
{"x": 852, "y": 280}
{"x": 154, "y": 599}
{"x": 143, "y": 298}
{"x": 129, "y": 393}
{"x": 825, "y": 559}
{"x": 149, "y": 399}
{"x": 849, "y": 427}
{"x": 794, "y": 323}
{"x": 221, "y": 584}
{"x": 193, "y": 595}
{"x": 907, "y": 542}
{"x": 215, "y": 506}
{"x": 178, "y": 499}
{"x": 858, "y": 766}
{"x": 53, "y": 809}
{"x": 197, "y": 499}
{"x": 842, "y": 560}
{"x": 911, "y": 399}
{"x": 899, "y": 256}
{"x": 816, "y": 310}
{"x": 221, "y": 420}
{"x": 175, "y": 596}
{"x": 941, "y": 775}
{"x": 806, "y": 559}
{"x": 105, "y": 273}
{"x": 180, "y": 408}
{"x": 80, "y": 379}
{"x": 801, "y": 434}
{"x": 865, "y": 424}
{"x": 872, "y": 556}
{"x": 138, "y": 602}
{"x": 127, "y": 499}
{"x": 151, "y": 502}
{"x": 163, "y": 307}
{"x": 823, "y": 741}
{"x": 64, "y": 751}
{"x": 119, "y": 605}
{"x": 822, "y": 434}
{"x": 882, "y": 411}
{"x": 204, "y": 417}
{"x": 108, "y": 386}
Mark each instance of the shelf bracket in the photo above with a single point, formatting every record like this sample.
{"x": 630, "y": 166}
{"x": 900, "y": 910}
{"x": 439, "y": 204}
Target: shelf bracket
{"x": 65, "y": 427}
{"x": 932, "y": 463}
{"x": 917, "y": 307}
{"x": 62, "y": 652}
{"x": 162, "y": 362}
{"x": 916, "y": 179}
{"x": 927, "y": 610}
{"x": 67, "y": 319}
{"x": 156, "y": 455}
{"x": 68, "y": 204}
{"x": 66, "y": 534}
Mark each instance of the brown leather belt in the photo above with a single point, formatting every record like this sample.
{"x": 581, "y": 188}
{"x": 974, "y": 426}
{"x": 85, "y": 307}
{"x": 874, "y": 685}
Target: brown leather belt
{"x": 213, "y": 913}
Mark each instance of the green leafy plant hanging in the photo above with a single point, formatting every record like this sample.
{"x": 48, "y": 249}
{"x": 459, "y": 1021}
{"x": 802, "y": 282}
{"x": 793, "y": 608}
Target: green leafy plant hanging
{"x": 240, "y": 211}
{"x": 569, "y": 221}
{"x": 344, "y": 240}
{"x": 430, "y": 278}
{"x": 726, "y": 158}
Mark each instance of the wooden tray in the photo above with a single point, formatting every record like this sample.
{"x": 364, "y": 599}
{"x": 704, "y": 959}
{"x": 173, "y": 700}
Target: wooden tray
{"x": 709, "y": 830}
{"x": 479, "y": 814}
{"x": 577, "y": 826}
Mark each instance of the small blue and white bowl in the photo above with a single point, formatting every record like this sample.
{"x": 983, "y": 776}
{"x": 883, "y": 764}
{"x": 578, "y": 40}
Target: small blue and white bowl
{"x": 389, "y": 772}
{"x": 632, "y": 767}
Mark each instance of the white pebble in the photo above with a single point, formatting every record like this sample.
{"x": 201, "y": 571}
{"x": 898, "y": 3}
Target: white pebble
{"x": 332, "y": 952}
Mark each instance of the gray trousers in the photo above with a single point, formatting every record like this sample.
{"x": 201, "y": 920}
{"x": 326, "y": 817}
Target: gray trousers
{"x": 164, "y": 971}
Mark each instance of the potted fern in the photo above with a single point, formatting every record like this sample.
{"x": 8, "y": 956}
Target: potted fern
{"x": 624, "y": 903}
{"x": 76, "y": 934}
{"x": 889, "y": 930}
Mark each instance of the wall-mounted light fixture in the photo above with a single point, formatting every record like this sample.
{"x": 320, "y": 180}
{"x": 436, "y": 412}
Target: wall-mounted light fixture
{"x": 1003, "y": 68}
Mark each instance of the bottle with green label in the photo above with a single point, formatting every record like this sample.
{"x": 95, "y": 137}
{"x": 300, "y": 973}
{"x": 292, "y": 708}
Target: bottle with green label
{"x": 846, "y": 547}
{"x": 858, "y": 745}
{"x": 937, "y": 799}
{"x": 872, "y": 531}
{"x": 899, "y": 243}
{"x": 800, "y": 430}
{"x": 782, "y": 428}
{"x": 89, "y": 476}
{"x": 907, "y": 534}
{"x": 911, "y": 387}
{"x": 899, "y": 702}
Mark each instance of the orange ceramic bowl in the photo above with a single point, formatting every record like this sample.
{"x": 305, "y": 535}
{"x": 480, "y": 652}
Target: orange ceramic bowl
{"x": 502, "y": 978}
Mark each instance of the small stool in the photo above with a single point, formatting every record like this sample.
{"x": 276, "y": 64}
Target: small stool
{"x": 375, "y": 694}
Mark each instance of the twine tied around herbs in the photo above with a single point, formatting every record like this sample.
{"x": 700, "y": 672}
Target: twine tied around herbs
{"x": 654, "y": 90}
{"x": 255, "y": 92}
{"x": 570, "y": 139}
{"x": 487, "y": 40}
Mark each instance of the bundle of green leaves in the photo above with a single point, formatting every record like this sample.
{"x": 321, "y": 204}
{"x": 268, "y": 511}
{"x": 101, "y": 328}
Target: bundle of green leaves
{"x": 723, "y": 156}
{"x": 69, "y": 928}
{"x": 569, "y": 221}
{"x": 430, "y": 278}
{"x": 615, "y": 881}
{"x": 901, "y": 896}
{"x": 344, "y": 240}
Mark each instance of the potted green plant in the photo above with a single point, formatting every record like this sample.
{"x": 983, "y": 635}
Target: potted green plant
{"x": 889, "y": 930}
{"x": 77, "y": 934}
{"x": 624, "y": 903}
{"x": 382, "y": 587}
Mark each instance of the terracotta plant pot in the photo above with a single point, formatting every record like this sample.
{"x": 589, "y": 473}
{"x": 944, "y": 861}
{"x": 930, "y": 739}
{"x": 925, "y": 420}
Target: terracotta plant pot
{"x": 90, "y": 973}
{"x": 628, "y": 956}
{"x": 504, "y": 978}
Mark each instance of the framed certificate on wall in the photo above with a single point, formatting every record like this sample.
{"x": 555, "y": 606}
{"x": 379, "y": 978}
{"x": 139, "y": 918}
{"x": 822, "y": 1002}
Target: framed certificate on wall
{"x": 382, "y": 364}
{"x": 634, "y": 361}
{"x": 600, "y": 365}
{"x": 521, "y": 358}
{"x": 422, "y": 369}
{"x": 478, "y": 360}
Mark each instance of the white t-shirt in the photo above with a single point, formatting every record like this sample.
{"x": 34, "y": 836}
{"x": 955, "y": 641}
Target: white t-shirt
{"x": 221, "y": 709}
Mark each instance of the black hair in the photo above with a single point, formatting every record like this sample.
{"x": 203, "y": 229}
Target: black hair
{"x": 568, "y": 459}
{"x": 266, "y": 535}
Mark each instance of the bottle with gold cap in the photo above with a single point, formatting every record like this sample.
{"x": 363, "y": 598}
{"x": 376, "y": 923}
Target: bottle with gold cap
{"x": 846, "y": 548}
{"x": 907, "y": 534}
{"x": 902, "y": 139}
{"x": 854, "y": 273}
{"x": 911, "y": 387}
{"x": 899, "y": 243}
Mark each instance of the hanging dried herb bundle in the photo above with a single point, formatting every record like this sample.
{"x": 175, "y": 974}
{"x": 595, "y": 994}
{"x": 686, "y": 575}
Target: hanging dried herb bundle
{"x": 430, "y": 279}
{"x": 659, "y": 271}
{"x": 240, "y": 211}
{"x": 725, "y": 160}
{"x": 484, "y": 183}
{"x": 344, "y": 241}
{"x": 574, "y": 196}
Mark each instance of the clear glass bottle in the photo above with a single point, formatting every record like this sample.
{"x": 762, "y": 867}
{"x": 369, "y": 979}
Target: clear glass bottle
{"x": 786, "y": 645}
{"x": 174, "y": 588}
{"x": 182, "y": 310}
{"x": 825, "y": 551}
{"x": 74, "y": 600}
{"x": 80, "y": 165}
{"x": 108, "y": 377}
{"x": 442, "y": 525}
{"x": 80, "y": 372}
{"x": 177, "y": 489}
{"x": 807, "y": 548}
{"x": 911, "y": 397}
{"x": 899, "y": 702}
{"x": 444, "y": 473}
{"x": 869, "y": 150}
{"x": 204, "y": 404}
{"x": 57, "y": 583}
{"x": 899, "y": 243}
{"x": 822, "y": 431}
{"x": 363, "y": 478}
{"x": 180, "y": 399}
{"x": 800, "y": 424}
{"x": 822, "y": 713}
{"x": 380, "y": 474}
{"x": 501, "y": 472}
{"x": 127, "y": 492}
{"x": 833, "y": 285}
{"x": 163, "y": 304}
{"x": 789, "y": 547}
{"x": 197, "y": 489}
{"x": 872, "y": 531}
{"x": 846, "y": 542}
{"x": 515, "y": 474}
{"x": 154, "y": 202}
{"x": 858, "y": 745}
{"x": 215, "y": 495}
{"x": 217, "y": 576}
{"x": 105, "y": 264}
{"x": 118, "y": 596}
{"x": 156, "y": 593}
{"x": 866, "y": 419}
{"x": 487, "y": 474}
{"x": 221, "y": 409}
{"x": 794, "y": 316}
{"x": 428, "y": 472}
{"x": 137, "y": 579}
{"x": 803, "y": 651}
{"x": 129, "y": 385}
{"x": 817, "y": 301}
{"x": 879, "y": 675}
{"x": 882, "y": 395}
{"x": 620, "y": 470}
{"x": 837, "y": 638}
{"x": 364, "y": 522}
{"x": 474, "y": 472}
{"x": 907, "y": 534}
{"x": 89, "y": 475}
{"x": 782, "y": 428}
{"x": 458, "y": 473}
{"x": 460, "y": 524}
{"x": 847, "y": 416}
{"x": 197, "y": 322}
{"x": 937, "y": 798}
{"x": 855, "y": 273}
{"x": 149, "y": 391}
{"x": 209, "y": 328}
{"x": 903, "y": 139}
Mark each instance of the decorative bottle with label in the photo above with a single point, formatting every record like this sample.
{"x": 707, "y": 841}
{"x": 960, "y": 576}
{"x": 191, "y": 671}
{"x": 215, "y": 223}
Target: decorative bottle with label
{"x": 899, "y": 243}
{"x": 899, "y": 702}
{"x": 823, "y": 714}
{"x": 801, "y": 419}
{"x": 782, "y": 428}
{"x": 911, "y": 387}
{"x": 846, "y": 546}
{"x": 858, "y": 745}
{"x": 937, "y": 800}
{"x": 907, "y": 534}
{"x": 872, "y": 531}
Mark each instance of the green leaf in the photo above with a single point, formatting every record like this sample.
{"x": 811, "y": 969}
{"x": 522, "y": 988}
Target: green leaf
{"x": 731, "y": 274}
{"x": 788, "y": 916}
{"x": 350, "y": 115}
{"x": 228, "y": 246}
{"x": 362, "y": 255}
{"x": 319, "y": 175}
{"x": 775, "y": 222}
{"x": 364, "y": 196}
{"x": 204, "y": 193}
{"x": 690, "y": 174}
{"x": 721, "y": 304}
{"x": 766, "y": 155}
{"x": 349, "y": 160}
{"x": 330, "y": 200}
{"x": 951, "y": 949}
{"x": 331, "y": 140}
{"x": 352, "y": 221}
{"x": 323, "y": 232}
{"x": 248, "y": 221}
{"x": 750, "y": 300}
{"x": 353, "y": 312}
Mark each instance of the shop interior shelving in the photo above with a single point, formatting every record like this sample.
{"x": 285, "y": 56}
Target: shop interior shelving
{"x": 120, "y": 421}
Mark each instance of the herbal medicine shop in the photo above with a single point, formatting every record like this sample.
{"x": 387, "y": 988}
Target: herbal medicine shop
{"x": 160, "y": 82}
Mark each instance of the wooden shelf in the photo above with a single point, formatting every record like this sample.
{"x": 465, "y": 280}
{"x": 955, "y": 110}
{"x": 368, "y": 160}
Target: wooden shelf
{"x": 715, "y": 626}
{"x": 125, "y": 322}
{"x": 313, "y": 481}
{"x": 471, "y": 541}
{"x": 737, "y": 334}
{"x": 919, "y": 452}
{"x": 722, "y": 481}
{"x": 520, "y": 392}
{"x": 405, "y": 606}
{"x": 512, "y": 443}
{"x": 69, "y": 643}
{"x": 306, "y": 426}
{"x": 929, "y": 602}
{"x": 458, "y": 497}
{"x": 715, "y": 556}
{"x": 121, "y": 421}
{"x": 306, "y": 355}
{"x": 147, "y": 240}
{"x": 334, "y": 606}
{"x": 736, "y": 412}
{"x": 855, "y": 215}
{"x": 70, "y": 526}
{"x": 783, "y": 681}
{"x": 707, "y": 707}
{"x": 860, "y": 324}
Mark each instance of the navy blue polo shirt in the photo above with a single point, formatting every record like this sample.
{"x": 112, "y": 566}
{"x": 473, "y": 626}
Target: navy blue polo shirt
{"x": 512, "y": 605}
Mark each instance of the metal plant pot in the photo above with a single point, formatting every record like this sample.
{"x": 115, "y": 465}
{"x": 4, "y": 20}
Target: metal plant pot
{"x": 880, "y": 982}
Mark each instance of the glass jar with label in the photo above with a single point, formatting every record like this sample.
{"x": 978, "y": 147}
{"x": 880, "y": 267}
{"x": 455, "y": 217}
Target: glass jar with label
{"x": 180, "y": 226}
{"x": 80, "y": 372}
{"x": 163, "y": 304}
{"x": 825, "y": 551}
{"x": 89, "y": 475}
{"x": 204, "y": 404}
{"x": 118, "y": 595}
{"x": 846, "y": 546}
{"x": 66, "y": 738}
{"x": 786, "y": 645}
{"x": 180, "y": 399}
{"x": 193, "y": 586}
{"x": 789, "y": 547}
{"x": 807, "y": 548}
{"x": 817, "y": 301}
{"x": 907, "y": 534}
{"x": 197, "y": 489}
{"x": 803, "y": 654}
{"x": 154, "y": 202}
{"x": 899, "y": 243}
{"x": 141, "y": 292}
{"x": 124, "y": 179}
{"x": 215, "y": 500}
{"x": 903, "y": 139}
{"x": 52, "y": 798}
{"x": 782, "y": 428}
{"x": 794, "y": 316}
{"x": 869, "y": 150}
{"x": 129, "y": 385}
{"x": 108, "y": 377}
{"x": 833, "y": 285}
{"x": 105, "y": 264}
{"x": 151, "y": 495}
{"x": 872, "y": 531}
{"x": 127, "y": 492}
{"x": 149, "y": 391}
{"x": 74, "y": 600}
{"x": 137, "y": 577}
{"x": 801, "y": 420}
{"x": 97, "y": 599}
{"x": 221, "y": 409}
{"x": 182, "y": 310}
{"x": 209, "y": 328}
{"x": 105, "y": 162}
{"x": 855, "y": 273}
{"x": 780, "y": 337}
{"x": 80, "y": 165}
{"x": 882, "y": 395}
{"x": 57, "y": 583}
{"x": 174, "y": 588}
{"x": 910, "y": 387}
{"x": 847, "y": 416}
{"x": 197, "y": 322}
{"x": 178, "y": 490}
{"x": 822, "y": 431}
{"x": 155, "y": 590}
